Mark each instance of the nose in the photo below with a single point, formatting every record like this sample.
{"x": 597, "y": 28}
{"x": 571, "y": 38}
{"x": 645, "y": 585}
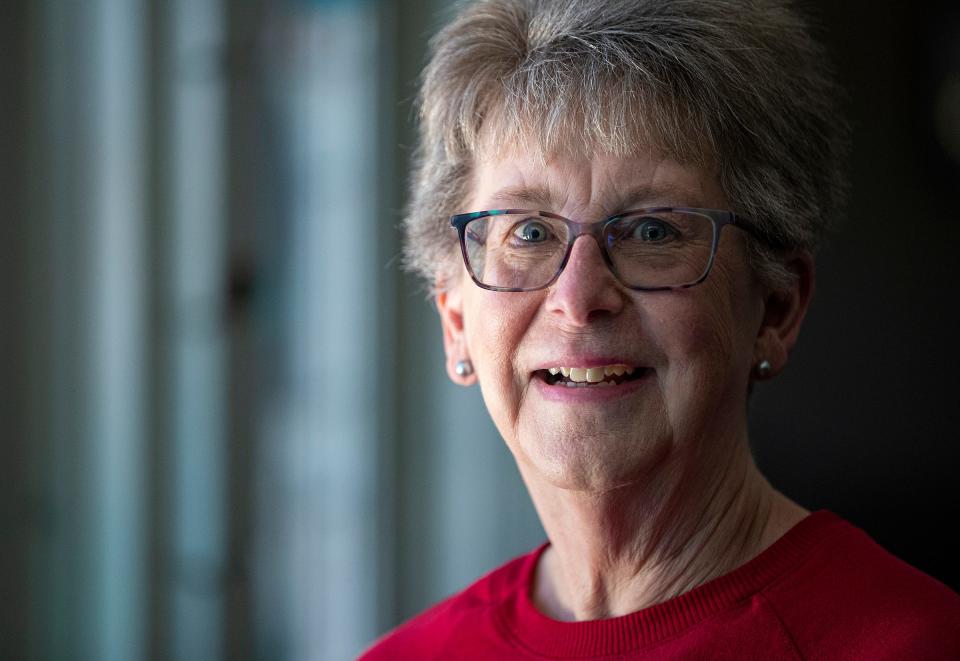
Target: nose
{"x": 586, "y": 289}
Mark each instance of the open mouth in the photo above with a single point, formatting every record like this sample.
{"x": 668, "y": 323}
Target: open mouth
{"x": 590, "y": 377}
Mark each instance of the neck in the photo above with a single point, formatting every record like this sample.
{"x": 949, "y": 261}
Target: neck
{"x": 617, "y": 552}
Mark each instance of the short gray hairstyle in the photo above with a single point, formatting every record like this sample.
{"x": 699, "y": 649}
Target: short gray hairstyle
{"x": 738, "y": 86}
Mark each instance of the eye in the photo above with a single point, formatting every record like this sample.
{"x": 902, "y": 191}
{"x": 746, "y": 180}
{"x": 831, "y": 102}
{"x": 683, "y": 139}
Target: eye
{"x": 653, "y": 230}
{"x": 532, "y": 231}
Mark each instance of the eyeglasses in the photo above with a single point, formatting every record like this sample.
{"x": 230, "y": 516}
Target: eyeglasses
{"x": 646, "y": 249}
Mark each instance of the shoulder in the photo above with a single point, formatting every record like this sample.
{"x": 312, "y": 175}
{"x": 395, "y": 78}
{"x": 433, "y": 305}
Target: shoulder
{"x": 460, "y": 617}
{"x": 851, "y": 598}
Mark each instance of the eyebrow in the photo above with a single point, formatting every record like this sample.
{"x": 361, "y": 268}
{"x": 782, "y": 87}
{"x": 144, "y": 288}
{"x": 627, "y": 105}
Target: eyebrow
{"x": 534, "y": 195}
{"x": 544, "y": 197}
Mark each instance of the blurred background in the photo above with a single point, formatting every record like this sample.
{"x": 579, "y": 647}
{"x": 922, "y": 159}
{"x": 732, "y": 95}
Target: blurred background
{"x": 227, "y": 431}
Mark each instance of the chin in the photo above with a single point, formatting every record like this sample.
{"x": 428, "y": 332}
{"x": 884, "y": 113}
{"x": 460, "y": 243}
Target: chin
{"x": 593, "y": 463}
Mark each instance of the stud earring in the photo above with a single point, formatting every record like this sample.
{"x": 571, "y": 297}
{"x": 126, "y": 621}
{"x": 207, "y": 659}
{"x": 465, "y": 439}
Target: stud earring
{"x": 463, "y": 368}
{"x": 764, "y": 369}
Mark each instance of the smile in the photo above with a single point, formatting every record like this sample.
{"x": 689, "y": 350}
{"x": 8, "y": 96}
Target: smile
{"x": 587, "y": 377}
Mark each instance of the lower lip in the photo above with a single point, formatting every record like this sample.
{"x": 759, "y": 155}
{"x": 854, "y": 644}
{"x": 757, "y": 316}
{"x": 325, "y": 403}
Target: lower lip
{"x": 589, "y": 393}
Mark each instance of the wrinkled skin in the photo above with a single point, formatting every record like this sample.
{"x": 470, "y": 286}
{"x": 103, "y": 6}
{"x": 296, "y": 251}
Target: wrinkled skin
{"x": 630, "y": 474}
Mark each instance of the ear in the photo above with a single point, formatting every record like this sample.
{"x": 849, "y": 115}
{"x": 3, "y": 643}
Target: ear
{"x": 450, "y": 307}
{"x": 784, "y": 311}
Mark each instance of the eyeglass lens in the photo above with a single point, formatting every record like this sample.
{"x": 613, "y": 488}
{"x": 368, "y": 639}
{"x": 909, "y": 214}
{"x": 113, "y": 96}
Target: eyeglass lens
{"x": 525, "y": 251}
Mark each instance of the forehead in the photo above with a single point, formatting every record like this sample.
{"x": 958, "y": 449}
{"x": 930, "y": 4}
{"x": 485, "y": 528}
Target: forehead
{"x": 603, "y": 183}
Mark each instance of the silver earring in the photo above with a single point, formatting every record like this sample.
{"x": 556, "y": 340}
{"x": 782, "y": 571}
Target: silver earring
{"x": 764, "y": 369}
{"x": 464, "y": 368}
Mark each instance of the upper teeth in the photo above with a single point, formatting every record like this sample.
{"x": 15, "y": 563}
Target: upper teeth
{"x": 591, "y": 374}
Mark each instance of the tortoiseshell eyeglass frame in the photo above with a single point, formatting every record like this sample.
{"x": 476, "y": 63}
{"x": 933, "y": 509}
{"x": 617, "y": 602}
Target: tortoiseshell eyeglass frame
{"x": 597, "y": 230}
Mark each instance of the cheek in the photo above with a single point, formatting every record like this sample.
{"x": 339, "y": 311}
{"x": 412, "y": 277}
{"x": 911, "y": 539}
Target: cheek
{"x": 707, "y": 337}
{"x": 692, "y": 333}
{"x": 495, "y": 324}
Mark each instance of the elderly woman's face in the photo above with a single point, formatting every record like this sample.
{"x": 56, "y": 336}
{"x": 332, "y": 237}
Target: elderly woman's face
{"x": 691, "y": 351}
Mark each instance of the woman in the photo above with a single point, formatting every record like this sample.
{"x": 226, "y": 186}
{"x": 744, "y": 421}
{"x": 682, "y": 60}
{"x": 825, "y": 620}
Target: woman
{"x": 636, "y": 191}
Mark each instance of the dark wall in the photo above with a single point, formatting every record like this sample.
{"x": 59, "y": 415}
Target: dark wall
{"x": 13, "y": 461}
{"x": 865, "y": 420}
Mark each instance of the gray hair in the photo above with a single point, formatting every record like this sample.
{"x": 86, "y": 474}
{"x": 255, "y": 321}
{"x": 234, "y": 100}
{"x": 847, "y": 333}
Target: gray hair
{"x": 738, "y": 86}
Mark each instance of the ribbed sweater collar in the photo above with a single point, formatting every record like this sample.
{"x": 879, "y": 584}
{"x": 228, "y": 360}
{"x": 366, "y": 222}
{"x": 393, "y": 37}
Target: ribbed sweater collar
{"x": 536, "y": 632}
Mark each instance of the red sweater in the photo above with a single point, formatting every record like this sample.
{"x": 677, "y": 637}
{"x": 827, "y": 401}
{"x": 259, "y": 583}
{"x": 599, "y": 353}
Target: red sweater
{"x": 824, "y": 590}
